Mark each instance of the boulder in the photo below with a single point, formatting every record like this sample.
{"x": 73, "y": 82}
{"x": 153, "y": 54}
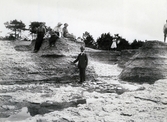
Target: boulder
{"x": 148, "y": 65}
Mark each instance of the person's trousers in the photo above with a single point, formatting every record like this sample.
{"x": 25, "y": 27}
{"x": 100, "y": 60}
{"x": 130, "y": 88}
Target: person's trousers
{"x": 82, "y": 74}
{"x": 38, "y": 42}
{"x": 53, "y": 40}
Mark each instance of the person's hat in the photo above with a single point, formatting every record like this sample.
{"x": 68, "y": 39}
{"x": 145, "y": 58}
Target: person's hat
{"x": 65, "y": 24}
{"x": 41, "y": 23}
{"x": 59, "y": 24}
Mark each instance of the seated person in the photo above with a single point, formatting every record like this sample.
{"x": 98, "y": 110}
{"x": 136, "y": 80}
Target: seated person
{"x": 58, "y": 30}
{"x": 55, "y": 34}
{"x": 66, "y": 34}
{"x": 53, "y": 38}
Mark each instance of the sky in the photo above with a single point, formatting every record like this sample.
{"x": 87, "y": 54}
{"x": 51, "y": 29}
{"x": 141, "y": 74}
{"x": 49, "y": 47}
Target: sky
{"x": 131, "y": 19}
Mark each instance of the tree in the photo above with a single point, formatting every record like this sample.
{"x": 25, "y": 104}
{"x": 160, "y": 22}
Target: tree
{"x": 88, "y": 40}
{"x": 16, "y": 26}
{"x": 33, "y": 26}
{"x": 136, "y": 44}
{"x": 104, "y": 42}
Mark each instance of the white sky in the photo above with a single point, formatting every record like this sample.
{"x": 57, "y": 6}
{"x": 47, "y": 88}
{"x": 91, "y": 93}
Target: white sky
{"x": 132, "y": 19}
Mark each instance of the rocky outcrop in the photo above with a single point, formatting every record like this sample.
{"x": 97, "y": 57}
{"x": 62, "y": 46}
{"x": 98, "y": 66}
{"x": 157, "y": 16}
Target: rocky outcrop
{"x": 125, "y": 56}
{"x": 63, "y": 47}
{"x": 48, "y": 65}
{"x": 149, "y": 65}
{"x": 104, "y": 99}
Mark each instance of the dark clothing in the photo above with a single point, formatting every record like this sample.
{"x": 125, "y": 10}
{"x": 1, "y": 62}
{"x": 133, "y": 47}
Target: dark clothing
{"x": 53, "y": 39}
{"x": 82, "y": 74}
{"x": 39, "y": 40}
{"x": 65, "y": 32}
{"x": 57, "y": 33}
{"x": 82, "y": 60}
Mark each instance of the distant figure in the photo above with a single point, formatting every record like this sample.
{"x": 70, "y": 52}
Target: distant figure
{"x": 114, "y": 44}
{"x": 79, "y": 39}
{"x": 40, "y": 35}
{"x": 85, "y": 35}
{"x": 66, "y": 34}
{"x": 55, "y": 34}
{"x": 82, "y": 60}
{"x": 165, "y": 31}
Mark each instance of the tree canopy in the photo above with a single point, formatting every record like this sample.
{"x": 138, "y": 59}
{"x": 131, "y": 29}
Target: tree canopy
{"x": 104, "y": 41}
{"x": 15, "y": 26}
{"x": 88, "y": 40}
{"x": 33, "y": 26}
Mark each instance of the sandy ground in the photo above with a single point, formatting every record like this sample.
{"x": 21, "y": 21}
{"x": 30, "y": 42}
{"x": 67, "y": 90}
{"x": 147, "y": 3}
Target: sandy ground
{"x": 108, "y": 99}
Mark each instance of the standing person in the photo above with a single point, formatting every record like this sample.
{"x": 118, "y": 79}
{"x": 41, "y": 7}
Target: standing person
{"x": 114, "y": 44}
{"x": 40, "y": 35}
{"x": 82, "y": 60}
{"x": 56, "y": 33}
{"x": 66, "y": 34}
{"x": 165, "y": 31}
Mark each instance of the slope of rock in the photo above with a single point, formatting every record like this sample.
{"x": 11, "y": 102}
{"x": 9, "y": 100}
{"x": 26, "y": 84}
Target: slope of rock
{"x": 48, "y": 65}
{"x": 92, "y": 101}
{"x": 125, "y": 56}
{"x": 149, "y": 65}
{"x": 63, "y": 47}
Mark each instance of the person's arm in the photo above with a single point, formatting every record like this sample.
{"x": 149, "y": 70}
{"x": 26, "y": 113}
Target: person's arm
{"x": 86, "y": 59}
{"x": 164, "y": 28}
{"x": 76, "y": 59}
{"x": 44, "y": 30}
{"x": 60, "y": 32}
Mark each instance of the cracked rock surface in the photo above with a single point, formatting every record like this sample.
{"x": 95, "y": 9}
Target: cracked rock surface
{"x": 36, "y": 88}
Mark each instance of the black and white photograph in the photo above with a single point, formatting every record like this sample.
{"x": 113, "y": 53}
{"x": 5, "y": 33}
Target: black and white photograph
{"x": 83, "y": 61}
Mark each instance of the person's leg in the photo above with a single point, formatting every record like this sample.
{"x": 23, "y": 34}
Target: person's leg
{"x": 71, "y": 37}
{"x": 83, "y": 74}
{"x": 36, "y": 44}
{"x": 40, "y": 41}
{"x": 165, "y": 36}
{"x": 80, "y": 75}
{"x": 55, "y": 39}
{"x": 51, "y": 40}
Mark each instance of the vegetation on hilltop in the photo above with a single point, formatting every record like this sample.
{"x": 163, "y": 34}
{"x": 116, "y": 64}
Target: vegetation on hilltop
{"x": 104, "y": 42}
{"x": 16, "y": 27}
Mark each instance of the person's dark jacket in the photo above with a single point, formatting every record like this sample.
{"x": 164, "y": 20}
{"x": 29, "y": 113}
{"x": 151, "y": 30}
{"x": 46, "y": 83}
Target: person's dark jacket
{"x": 82, "y": 60}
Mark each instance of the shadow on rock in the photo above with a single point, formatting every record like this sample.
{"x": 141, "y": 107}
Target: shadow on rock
{"x": 37, "y": 108}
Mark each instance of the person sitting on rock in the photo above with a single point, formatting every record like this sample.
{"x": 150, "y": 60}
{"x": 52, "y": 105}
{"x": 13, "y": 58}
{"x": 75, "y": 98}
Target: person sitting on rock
{"x": 58, "y": 30}
{"x": 66, "y": 34}
{"x": 82, "y": 60}
{"x": 165, "y": 31}
{"x": 56, "y": 33}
